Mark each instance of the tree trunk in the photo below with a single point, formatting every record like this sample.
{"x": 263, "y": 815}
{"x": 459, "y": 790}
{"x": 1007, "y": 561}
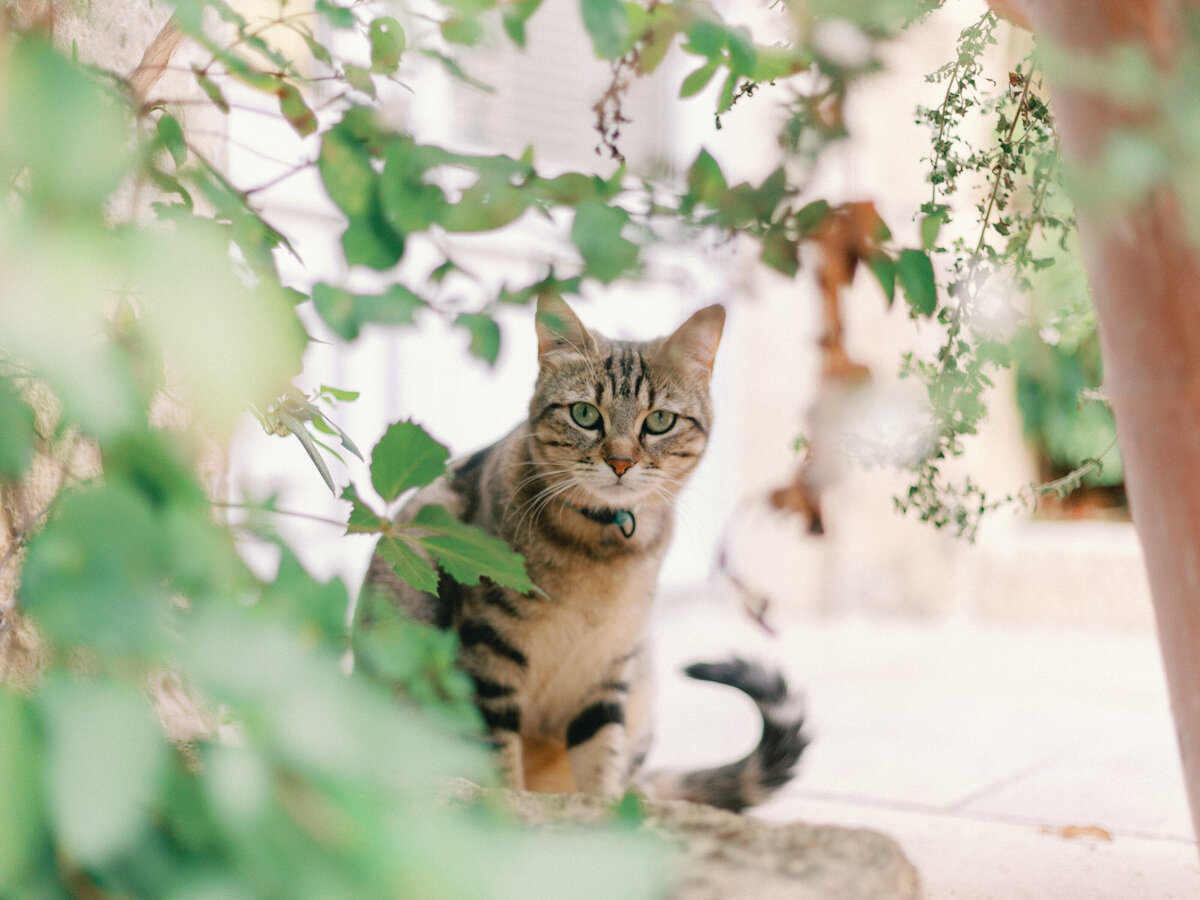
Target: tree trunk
{"x": 1145, "y": 278}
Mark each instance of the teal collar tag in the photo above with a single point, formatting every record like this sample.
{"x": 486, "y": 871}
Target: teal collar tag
{"x": 622, "y": 518}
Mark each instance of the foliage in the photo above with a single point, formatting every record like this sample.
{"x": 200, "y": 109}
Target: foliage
{"x": 305, "y": 781}
{"x": 1023, "y": 225}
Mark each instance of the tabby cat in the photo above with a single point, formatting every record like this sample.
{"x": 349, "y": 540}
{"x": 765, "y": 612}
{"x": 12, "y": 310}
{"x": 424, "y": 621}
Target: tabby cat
{"x": 584, "y": 490}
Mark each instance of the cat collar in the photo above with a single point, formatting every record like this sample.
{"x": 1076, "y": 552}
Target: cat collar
{"x": 622, "y": 518}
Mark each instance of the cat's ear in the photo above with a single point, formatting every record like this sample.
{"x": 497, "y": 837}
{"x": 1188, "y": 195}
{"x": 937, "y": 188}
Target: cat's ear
{"x": 693, "y": 346}
{"x": 558, "y": 328}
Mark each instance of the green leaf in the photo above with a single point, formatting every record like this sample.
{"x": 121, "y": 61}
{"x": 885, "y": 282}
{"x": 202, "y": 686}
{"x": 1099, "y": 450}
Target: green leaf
{"x": 468, "y": 553}
{"x": 811, "y": 216}
{"x": 388, "y": 42}
{"x": 339, "y": 394}
{"x": 359, "y": 78}
{"x": 706, "y": 182}
{"x": 405, "y": 457}
{"x": 337, "y": 16}
{"x": 16, "y": 431}
{"x": 409, "y": 565}
{"x": 455, "y": 70}
{"x": 363, "y": 519}
{"x": 105, "y": 757}
{"x": 21, "y": 814}
{"x": 725, "y": 100}
{"x": 213, "y": 90}
{"x": 515, "y": 15}
{"x": 372, "y": 242}
{"x": 170, "y": 135}
{"x": 915, "y": 271}
{"x": 318, "y": 50}
{"x": 88, "y": 582}
{"x": 696, "y": 81}
{"x": 62, "y": 130}
{"x": 743, "y": 57}
{"x": 663, "y": 27}
{"x": 345, "y": 312}
{"x": 485, "y": 335}
{"x": 883, "y": 267}
{"x": 707, "y": 38}
{"x": 596, "y": 232}
{"x": 297, "y": 429}
{"x": 930, "y": 226}
{"x": 606, "y": 23}
{"x": 462, "y": 30}
{"x": 295, "y": 110}
{"x": 345, "y": 166}
{"x": 781, "y": 252}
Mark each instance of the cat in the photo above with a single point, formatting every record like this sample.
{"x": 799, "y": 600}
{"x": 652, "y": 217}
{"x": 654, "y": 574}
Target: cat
{"x": 584, "y": 490}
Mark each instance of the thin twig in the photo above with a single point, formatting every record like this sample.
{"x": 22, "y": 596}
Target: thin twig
{"x": 283, "y": 512}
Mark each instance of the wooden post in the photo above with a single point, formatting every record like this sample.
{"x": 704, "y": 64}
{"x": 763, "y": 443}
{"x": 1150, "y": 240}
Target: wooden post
{"x": 1145, "y": 278}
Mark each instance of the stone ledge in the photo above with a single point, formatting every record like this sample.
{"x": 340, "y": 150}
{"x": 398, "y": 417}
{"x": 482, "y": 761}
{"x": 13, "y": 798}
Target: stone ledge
{"x": 724, "y": 856}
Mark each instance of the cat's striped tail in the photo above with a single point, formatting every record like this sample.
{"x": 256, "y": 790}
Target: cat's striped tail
{"x": 767, "y": 767}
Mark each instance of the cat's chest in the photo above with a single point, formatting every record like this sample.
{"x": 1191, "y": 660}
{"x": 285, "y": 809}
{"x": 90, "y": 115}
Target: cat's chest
{"x": 594, "y": 618}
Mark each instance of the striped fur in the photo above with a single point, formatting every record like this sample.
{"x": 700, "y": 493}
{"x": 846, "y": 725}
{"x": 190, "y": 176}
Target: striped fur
{"x": 562, "y": 677}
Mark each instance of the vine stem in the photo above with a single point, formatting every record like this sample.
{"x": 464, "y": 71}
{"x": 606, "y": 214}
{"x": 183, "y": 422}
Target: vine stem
{"x": 956, "y": 318}
{"x": 324, "y": 520}
{"x": 942, "y": 125}
{"x": 987, "y": 214}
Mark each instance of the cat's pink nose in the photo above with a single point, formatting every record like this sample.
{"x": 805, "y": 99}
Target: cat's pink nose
{"x": 620, "y": 464}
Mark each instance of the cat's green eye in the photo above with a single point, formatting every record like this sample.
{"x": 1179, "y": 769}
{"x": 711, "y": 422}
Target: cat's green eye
{"x": 585, "y": 415}
{"x": 660, "y": 421}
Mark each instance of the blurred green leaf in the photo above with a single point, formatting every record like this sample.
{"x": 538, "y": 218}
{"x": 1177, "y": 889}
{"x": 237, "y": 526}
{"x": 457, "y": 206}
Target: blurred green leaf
{"x": 706, "y": 37}
{"x": 608, "y": 25}
{"x": 387, "y": 44}
{"x": 467, "y": 553}
{"x": 87, "y": 581}
{"x": 345, "y": 167}
{"x": 456, "y": 71}
{"x": 596, "y": 232}
{"x": 170, "y": 135}
{"x": 75, "y": 157}
{"x": 371, "y": 242}
{"x": 347, "y": 312}
{"x": 811, "y": 216}
{"x": 213, "y": 91}
{"x": 930, "y": 226}
{"x": 781, "y": 252}
{"x": 105, "y": 759}
{"x": 227, "y": 344}
{"x": 485, "y": 335}
{"x": 339, "y": 394}
{"x": 405, "y": 457}
{"x": 337, "y": 16}
{"x": 743, "y": 57}
{"x": 915, "y": 272}
{"x": 464, "y": 30}
{"x": 706, "y": 182}
{"x": 514, "y": 17}
{"x": 318, "y": 610}
{"x": 360, "y": 79}
{"x": 22, "y": 814}
{"x": 697, "y": 80}
{"x": 16, "y": 431}
{"x": 295, "y": 110}
{"x": 883, "y": 267}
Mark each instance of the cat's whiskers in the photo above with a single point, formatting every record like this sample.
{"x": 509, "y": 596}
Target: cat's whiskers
{"x": 542, "y": 500}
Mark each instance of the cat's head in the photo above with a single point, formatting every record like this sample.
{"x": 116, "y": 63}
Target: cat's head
{"x": 619, "y": 423}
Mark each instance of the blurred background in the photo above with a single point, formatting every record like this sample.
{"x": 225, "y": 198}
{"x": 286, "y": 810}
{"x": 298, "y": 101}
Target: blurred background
{"x": 976, "y": 700}
{"x": 1082, "y": 570}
